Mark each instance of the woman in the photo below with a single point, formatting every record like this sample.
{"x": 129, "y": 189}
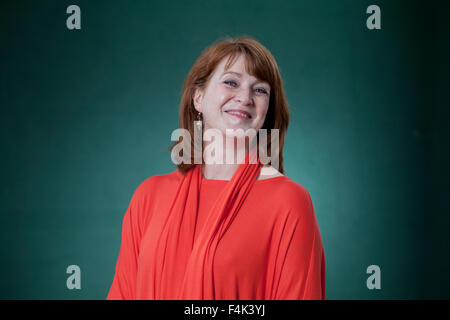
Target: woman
{"x": 224, "y": 230}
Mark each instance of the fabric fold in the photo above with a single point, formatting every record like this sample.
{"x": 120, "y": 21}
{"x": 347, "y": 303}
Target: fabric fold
{"x": 192, "y": 276}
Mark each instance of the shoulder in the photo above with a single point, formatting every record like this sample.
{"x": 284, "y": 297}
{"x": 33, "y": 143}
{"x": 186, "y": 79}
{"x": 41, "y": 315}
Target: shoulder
{"x": 161, "y": 180}
{"x": 293, "y": 198}
{"x": 158, "y": 184}
{"x": 153, "y": 193}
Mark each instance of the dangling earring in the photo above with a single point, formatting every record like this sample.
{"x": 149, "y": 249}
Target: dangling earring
{"x": 198, "y": 140}
{"x": 198, "y": 123}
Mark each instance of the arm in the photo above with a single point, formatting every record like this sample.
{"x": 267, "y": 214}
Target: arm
{"x": 302, "y": 258}
{"x": 124, "y": 283}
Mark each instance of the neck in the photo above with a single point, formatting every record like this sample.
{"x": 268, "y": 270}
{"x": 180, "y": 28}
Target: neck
{"x": 225, "y": 171}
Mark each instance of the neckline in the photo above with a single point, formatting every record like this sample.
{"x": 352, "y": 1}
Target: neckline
{"x": 217, "y": 181}
{"x": 213, "y": 181}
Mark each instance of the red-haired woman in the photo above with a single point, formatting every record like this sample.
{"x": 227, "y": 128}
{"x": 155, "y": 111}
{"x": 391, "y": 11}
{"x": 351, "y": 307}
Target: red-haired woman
{"x": 224, "y": 229}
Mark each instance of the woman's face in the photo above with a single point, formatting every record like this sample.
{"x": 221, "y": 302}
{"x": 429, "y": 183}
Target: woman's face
{"x": 233, "y": 89}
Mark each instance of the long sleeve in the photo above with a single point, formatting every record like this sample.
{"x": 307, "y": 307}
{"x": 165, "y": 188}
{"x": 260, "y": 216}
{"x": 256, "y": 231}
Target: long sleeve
{"x": 124, "y": 283}
{"x": 302, "y": 258}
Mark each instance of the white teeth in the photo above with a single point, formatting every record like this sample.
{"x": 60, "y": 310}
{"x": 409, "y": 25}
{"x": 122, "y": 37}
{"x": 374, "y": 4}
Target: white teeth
{"x": 239, "y": 113}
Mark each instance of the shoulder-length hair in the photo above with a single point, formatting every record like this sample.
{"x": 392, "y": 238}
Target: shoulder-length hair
{"x": 259, "y": 63}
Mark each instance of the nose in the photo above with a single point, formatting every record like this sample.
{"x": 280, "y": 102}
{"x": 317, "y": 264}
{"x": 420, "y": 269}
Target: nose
{"x": 245, "y": 96}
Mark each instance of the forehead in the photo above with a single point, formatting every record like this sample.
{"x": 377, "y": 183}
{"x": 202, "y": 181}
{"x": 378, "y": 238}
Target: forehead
{"x": 238, "y": 65}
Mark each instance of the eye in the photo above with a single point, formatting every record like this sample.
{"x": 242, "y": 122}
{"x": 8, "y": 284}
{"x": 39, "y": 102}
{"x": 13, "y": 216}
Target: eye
{"x": 263, "y": 91}
{"x": 230, "y": 82}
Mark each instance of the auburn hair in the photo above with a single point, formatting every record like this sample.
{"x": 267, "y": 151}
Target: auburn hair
{"x": 259, "y": 63}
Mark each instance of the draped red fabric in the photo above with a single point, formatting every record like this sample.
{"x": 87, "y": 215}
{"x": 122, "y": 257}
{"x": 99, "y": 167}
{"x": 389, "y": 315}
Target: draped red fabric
{"x": 167, "y": 254}
{"x": 197, "y": 257}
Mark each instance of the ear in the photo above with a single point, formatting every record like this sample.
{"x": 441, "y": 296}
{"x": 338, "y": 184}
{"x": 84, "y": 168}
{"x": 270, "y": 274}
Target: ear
{"x": 198, "y": 96}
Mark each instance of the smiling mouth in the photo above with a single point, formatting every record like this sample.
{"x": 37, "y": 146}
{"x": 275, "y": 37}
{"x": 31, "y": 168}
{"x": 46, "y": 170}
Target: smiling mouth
{"x": 238, "y": 114}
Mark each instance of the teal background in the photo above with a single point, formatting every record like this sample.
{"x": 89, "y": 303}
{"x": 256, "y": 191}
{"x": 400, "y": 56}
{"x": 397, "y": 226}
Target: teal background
{"x": 86, "y": 116}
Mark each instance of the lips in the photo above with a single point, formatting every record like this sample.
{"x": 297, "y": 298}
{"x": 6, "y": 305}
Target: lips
{"x": 239, "y": 113}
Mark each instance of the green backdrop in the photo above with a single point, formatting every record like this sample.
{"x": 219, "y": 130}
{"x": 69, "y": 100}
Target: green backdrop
{"x": 86, "y": 116}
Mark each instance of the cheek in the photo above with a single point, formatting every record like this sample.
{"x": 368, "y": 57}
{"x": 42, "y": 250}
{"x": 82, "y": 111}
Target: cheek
{"x": 217, "y": 99}
{"x": 263, "y": 110}
{"x": 223, "y": 97}
{"x": 222, "y": 94}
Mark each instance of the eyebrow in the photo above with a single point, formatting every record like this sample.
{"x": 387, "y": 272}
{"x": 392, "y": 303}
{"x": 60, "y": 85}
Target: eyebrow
{"x": 239, "y": 75}
{"x": 232, "y": 72}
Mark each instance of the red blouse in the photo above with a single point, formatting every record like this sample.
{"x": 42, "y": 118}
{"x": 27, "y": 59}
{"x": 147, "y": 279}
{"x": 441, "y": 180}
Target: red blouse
{"x": 272, "y": 249}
